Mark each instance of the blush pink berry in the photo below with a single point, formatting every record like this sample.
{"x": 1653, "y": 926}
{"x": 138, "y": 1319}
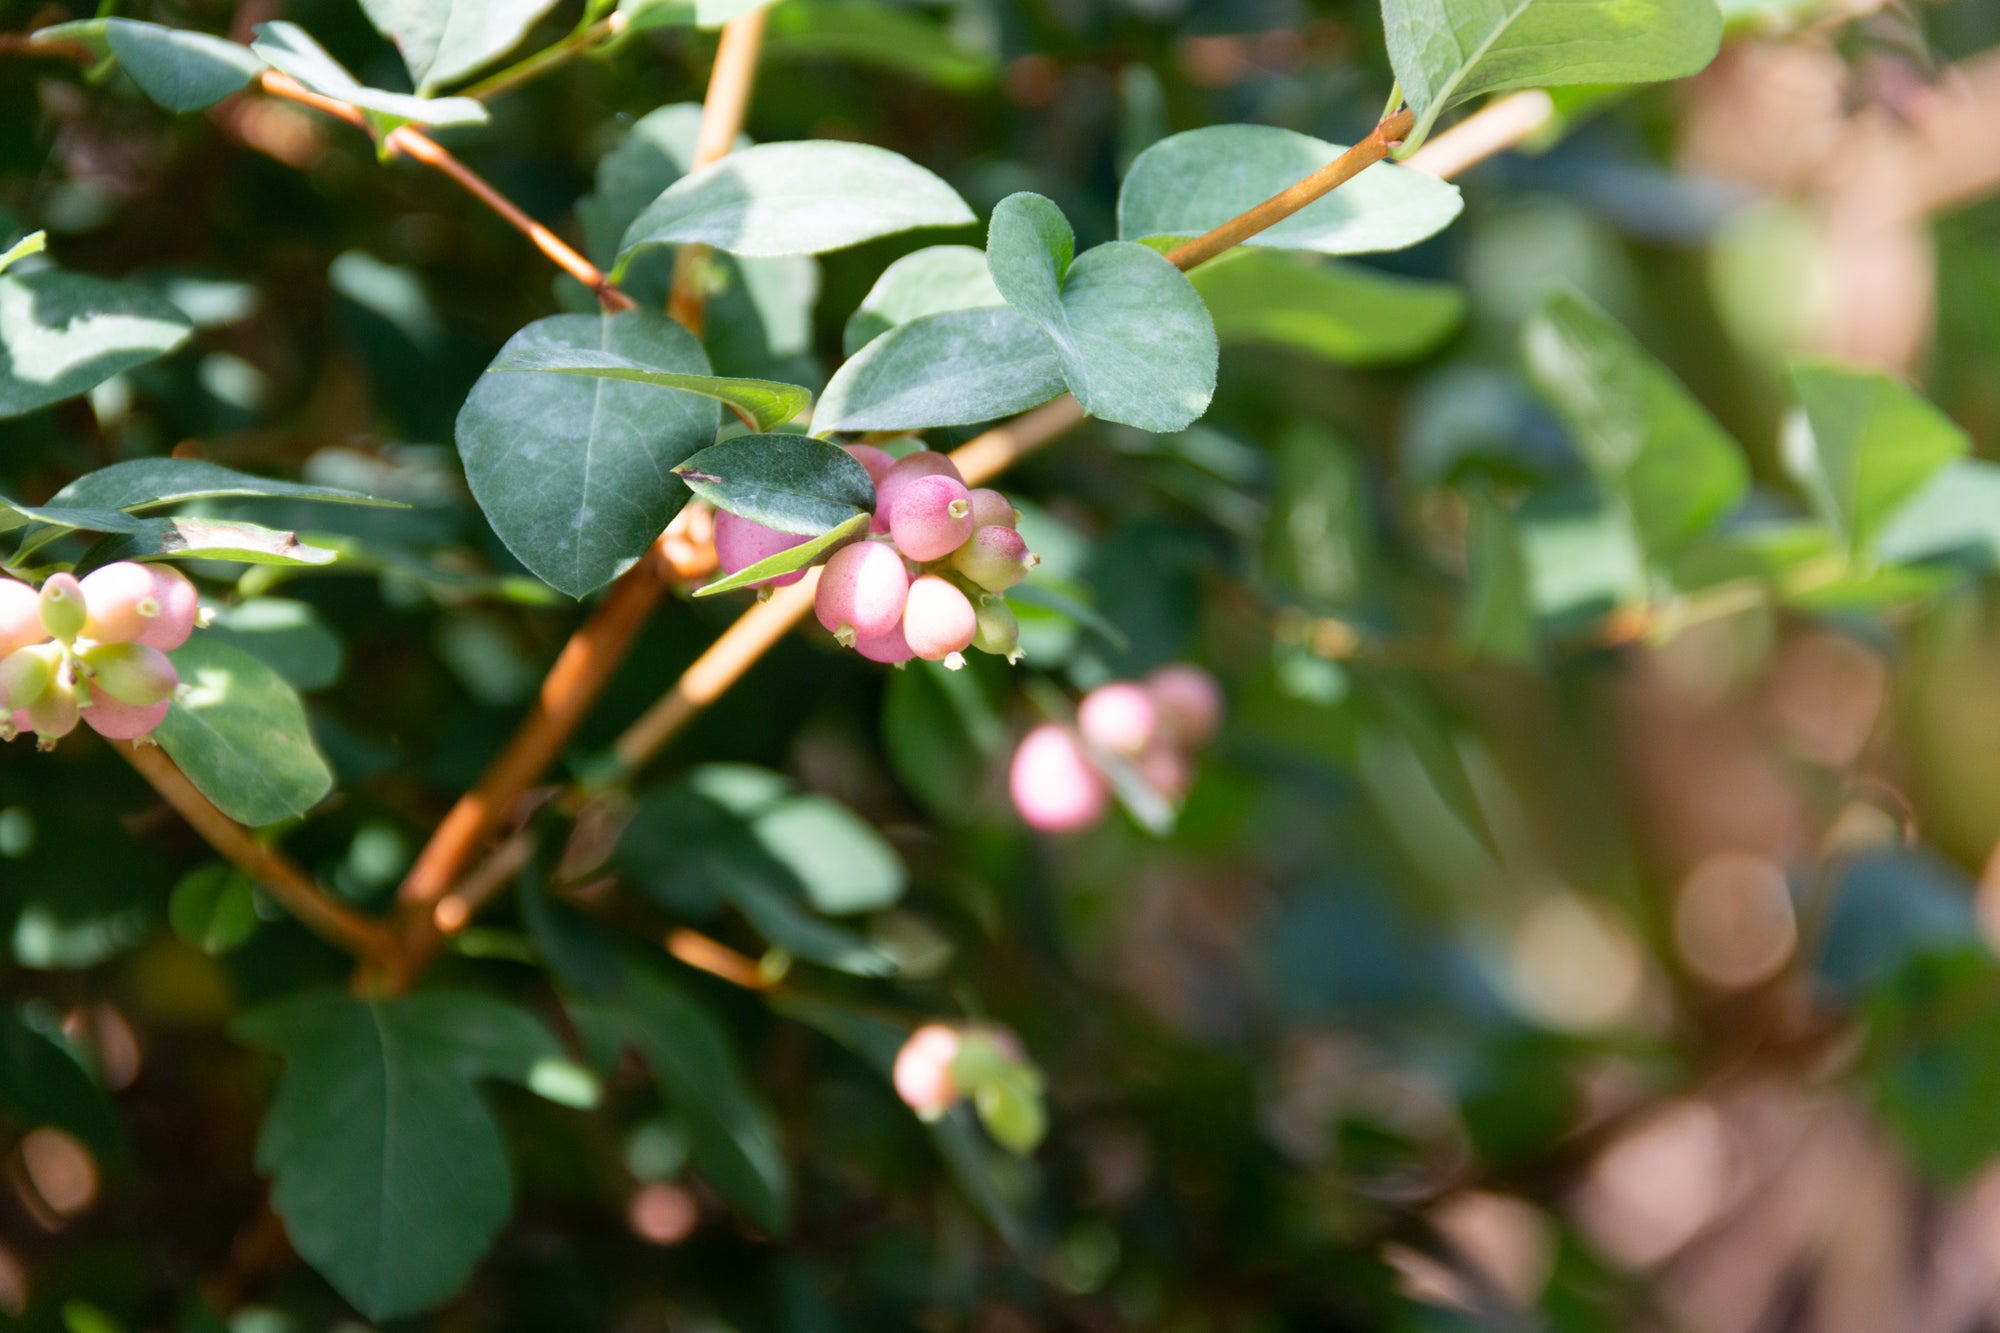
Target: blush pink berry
{"x": 938, "y": 619}
{"x": 930, "y": 518}
{"x": 1189, "y": 702}
{"x": 862, "y": 591}
{"x": 1119, "y": 717}
{"x": 923, "y": 1072}
{"x": 1054, "y": 786}
{"x": 741, "y": 543}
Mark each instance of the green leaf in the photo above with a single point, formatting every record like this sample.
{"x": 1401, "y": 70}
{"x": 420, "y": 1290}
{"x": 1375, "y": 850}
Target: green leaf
{"x": 765, "y": 404}
{"x": 791, "y": 558}
{"x": 62, "y": 334}
{"x": 150, "y": 483}
{"x": 797, "y": 199}
{"x": 1956, "y": 516}
{"x": 735, "y": 1136}
{"x": 180, "y": 70}
{"x": 787, "y": 482}
{"x": 239, "y": 732}
{"x": 43, "y": 1083}
{"x": 1191, "y": 183}
{"x": 141, "y": 484}
{"x": 1343, "y": 313}
{"x": 652, "y": 154}
{"x": 214, "y": 908}
{"x": 1498, "y": 621}
{"x": 442, "y": 41}
{"x": 291, "y": 50}
{"x": 386, "y": 1166}
{"x": 575, "y": 474}
{"x": 943, "y": 735}
{"x": 1446, "y": 51}
{"x": 192, "y": 538}
{"x": 1134, "y": 341}
{"x": 286, "y": 636}
{"x": 1861, "y": 446}
{"x": 887, "y": 36}
{"x": 58, "y": 519}
{"x": 37, "y": 241}
{"x": 685, "y": 13}
{"x": 1653, "y": 447}
{"x": 930, "y": 281}
{"x": 957, "y": 368}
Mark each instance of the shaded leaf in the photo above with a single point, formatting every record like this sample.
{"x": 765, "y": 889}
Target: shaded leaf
{"x": 576, "y": 474}
{"x": 787, "y": 482}
{"x": 1861, "y": 446}
{"x": 765, "y": 403}
{"x": 191, "y": 538}
{"x": 887, "y": 36}
{"x": 214, "y": 908}
{"x": 1651, "y": 445}
{"x": 386, "y": 1167}
{"x": 1341, "y": 312}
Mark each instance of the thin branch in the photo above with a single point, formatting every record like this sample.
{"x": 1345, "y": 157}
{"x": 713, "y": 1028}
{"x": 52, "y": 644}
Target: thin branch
{"x": 722, "y": 112}
{"x": 581, "y": 42}
{"x": 415, "y": 144}
{"x": 1295, "y": 197}
{"x": 292, "y": 887}
{"x": 757, "y": 630}
{"x": 1492, "y": 129}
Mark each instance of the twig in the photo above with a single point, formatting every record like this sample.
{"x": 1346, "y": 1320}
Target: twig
{"x": 1492, "y": 129}
{"x": 291, "y": 886}
{"x": 1295, "y": 197}
{"x": 608, "y": 28}
{"x": 415, "y": 144}
{"x": 757, "y": 630}
{"x": 722, "y": 112}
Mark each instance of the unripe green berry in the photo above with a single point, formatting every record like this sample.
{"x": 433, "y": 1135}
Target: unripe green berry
{"x": 995, "y": 558}
{"x": 131, "y": 673}
{"x": 1011, "y": 1109}
{"x": 999, "y": 632}
{"x": 25, "y": 673}
{"x": 54, "y": 713}
{"x": 63, "y": 609}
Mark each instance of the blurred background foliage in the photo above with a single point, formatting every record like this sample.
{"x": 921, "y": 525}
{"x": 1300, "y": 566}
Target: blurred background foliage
{"x": 1589, "y": 988}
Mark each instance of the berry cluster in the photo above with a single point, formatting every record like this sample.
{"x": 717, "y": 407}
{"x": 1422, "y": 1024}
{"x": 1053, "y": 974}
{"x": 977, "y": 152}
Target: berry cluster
{"x": 92, "y": 650}
{"x": 929, "y": 579}
{"x": 938, "y": 1065}
{"x": 1058, "y": 777}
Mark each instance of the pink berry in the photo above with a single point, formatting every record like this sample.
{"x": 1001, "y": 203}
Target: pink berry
{"x": 20, "y": 616}
{"x": 123, "y": 722}
{"x": 938, "y": 619}
{"x": 876, "y": 461}
{"x": 1120, "y": 717}
{"x": 1189, "y": 702}
{"x": 995, "y": 558}
{"x": 890, "y": 648}
{"x": 923, "y": 1073}
{"x": 906, "y": 470}
{"x": 930, "y": 518}
{"x": 180, "y": 608}
{"x": 120, "y": 602}
{"x": 990, "y": 509}
{"x": 130, "y": 673}
{"x": 1055, "y": 787}
{"x": 862, "y": 591}
{"x": 741, "y": 543}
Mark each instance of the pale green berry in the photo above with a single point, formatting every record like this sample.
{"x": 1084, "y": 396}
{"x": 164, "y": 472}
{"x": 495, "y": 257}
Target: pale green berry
{"x": 131, "y": 673}
{"x": 63, "y": 608}
{"x": 999, "y": 632}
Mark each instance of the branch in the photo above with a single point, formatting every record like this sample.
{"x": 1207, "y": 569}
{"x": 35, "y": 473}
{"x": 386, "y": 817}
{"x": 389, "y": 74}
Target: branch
{"x": 292, "y": 887}
{"x": 1291, "y": 199}
{"x": 606, "y": 29}
{"x": 722, "y": 112}
{"x": 757, "y": 630}
{"x": 416, "y": 144}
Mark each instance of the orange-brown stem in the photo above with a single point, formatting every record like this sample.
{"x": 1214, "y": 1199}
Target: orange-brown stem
{"x": 1291, "y": 199}
{"x": 722, "y": 112}
{"x": 295, "y": 891}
